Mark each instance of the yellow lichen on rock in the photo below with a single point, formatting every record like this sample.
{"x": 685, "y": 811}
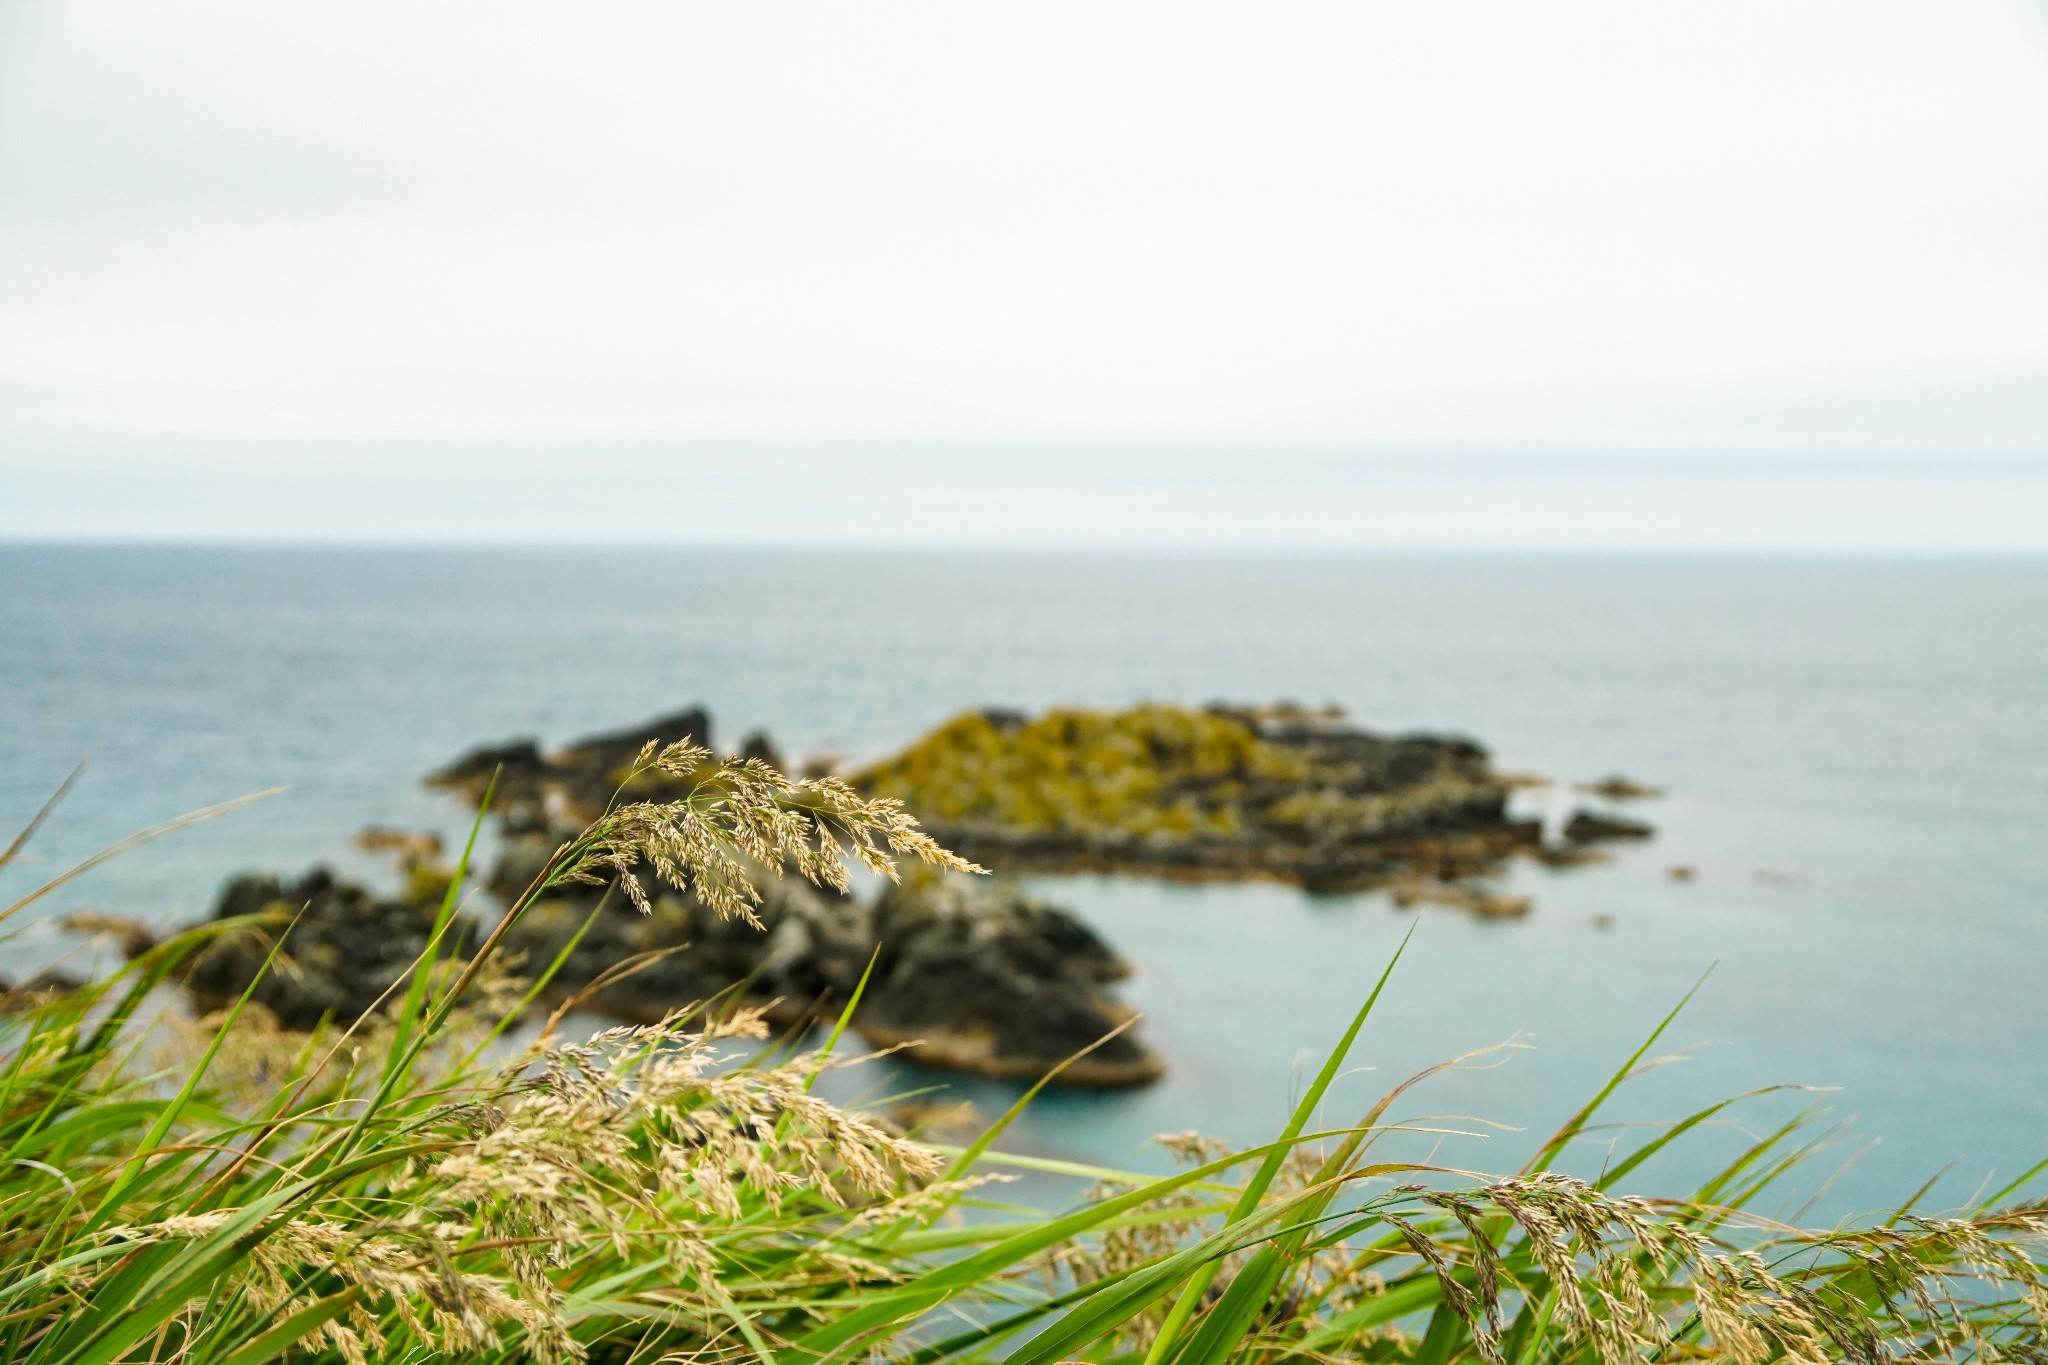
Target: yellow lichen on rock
{"x": 1150, "y": 769}
{"x": 1222, "y": 791}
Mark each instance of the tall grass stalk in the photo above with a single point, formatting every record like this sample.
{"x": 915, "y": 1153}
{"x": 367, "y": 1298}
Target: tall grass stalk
{"x": 412, "y": 1187}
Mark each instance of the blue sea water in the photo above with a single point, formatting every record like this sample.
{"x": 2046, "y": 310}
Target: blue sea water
{"x": 1855, "y": 751}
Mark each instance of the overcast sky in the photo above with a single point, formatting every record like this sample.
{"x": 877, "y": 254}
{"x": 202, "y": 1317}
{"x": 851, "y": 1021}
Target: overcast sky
{"x": 1762, "y": 275}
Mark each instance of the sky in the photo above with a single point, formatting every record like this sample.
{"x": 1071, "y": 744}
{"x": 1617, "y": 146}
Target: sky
{"x": 1762, "y": 275}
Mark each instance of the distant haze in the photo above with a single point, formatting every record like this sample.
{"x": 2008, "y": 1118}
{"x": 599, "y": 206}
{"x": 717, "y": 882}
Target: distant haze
{"x": 1756, "y": 275}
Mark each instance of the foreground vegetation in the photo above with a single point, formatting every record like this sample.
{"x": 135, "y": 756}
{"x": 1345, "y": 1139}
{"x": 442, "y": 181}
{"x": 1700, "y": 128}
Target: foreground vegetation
{"x": 418, "y": 1187}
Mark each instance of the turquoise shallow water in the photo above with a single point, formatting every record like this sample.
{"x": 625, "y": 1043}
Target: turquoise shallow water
{"x": 1856, "y": 751}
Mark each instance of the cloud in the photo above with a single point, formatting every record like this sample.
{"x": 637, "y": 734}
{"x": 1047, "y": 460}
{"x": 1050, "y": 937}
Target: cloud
{"x": 1752, "y": 230}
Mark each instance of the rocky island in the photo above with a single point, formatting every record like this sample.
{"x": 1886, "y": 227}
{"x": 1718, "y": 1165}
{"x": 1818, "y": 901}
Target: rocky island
{"x": 1224, "y": 792}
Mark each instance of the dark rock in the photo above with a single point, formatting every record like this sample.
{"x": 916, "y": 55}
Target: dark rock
{"x": 521, "y": 859}
{"x": 1473, "y": 899}
{"x": 607, "y": 754}
{"x": 517, "y": 760}
{"x": 131, "y": 936}
{"x": 980, "y": 976}
{"x": 665, "y": 978}
{"x": 581, "y": 779}
{"x": 619, "y": 746}
{"x": 1586, "y": 827}
{"x": 343, "y": 946}
{"x": 1619, "y": 788}
{"x": 811, "y": 946}
{"x": 47, "y": 985}
{"x": 410, "y": 846}
{"x": 987, "y": 979}
{"x": 758, "y": 746}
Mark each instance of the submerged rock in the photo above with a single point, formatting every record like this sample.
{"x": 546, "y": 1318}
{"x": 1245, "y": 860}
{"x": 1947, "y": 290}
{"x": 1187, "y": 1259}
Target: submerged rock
{"x": 409, "y": 845}
{"x": 1615, "y": 787}
{"x": 1568, "y": 855}
{"x": 1586, "y": 827}
{"x": 1474, "y": 899}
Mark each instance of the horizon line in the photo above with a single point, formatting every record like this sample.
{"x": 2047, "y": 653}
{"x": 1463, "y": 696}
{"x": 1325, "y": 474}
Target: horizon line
{"x": 984, "y": 548}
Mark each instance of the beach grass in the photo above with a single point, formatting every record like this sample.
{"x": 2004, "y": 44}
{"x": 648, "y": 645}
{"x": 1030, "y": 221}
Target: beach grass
{"x": 441, "y": 1181}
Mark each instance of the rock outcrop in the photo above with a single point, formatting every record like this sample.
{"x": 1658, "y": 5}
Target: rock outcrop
{"x": 568, "y": 787}
{"x": 969, "y": 973}
{"x": 997, "y": 982}
{"x": 343, "y": 945}
{"x": 1225, "y": 792}
{"x": 1474, "y": 900}
{"x": 1587, "y": 827}
{"x": 1615, "y": 787}
{"x": 45, "y": 986}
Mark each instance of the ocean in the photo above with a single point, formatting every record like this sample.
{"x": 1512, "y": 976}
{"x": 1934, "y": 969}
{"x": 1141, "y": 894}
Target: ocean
{"x": 1855, "y": 754}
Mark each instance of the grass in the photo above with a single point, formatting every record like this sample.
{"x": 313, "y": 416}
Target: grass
{"x": 419, "y": 1187}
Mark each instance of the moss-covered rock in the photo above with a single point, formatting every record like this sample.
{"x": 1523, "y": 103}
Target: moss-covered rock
{"x": 1230, "y": 791}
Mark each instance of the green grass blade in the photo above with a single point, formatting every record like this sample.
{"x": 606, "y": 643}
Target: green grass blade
{"x": 279, "y": 1339}
{"x": 845, "y": 1018}
{"x": 1610, "y": 1178}
{"x": 133, "y": 841}
{"x": 965, "y": 1161}
{"x": 1577, "y": 1122}
{"x": 171, "y": 1112}
{"x": 1168, "y": 1339}
{"x": 928, "y": 1291}
{"x": 423, "y": 970}
{"x": 35, "y": 822}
